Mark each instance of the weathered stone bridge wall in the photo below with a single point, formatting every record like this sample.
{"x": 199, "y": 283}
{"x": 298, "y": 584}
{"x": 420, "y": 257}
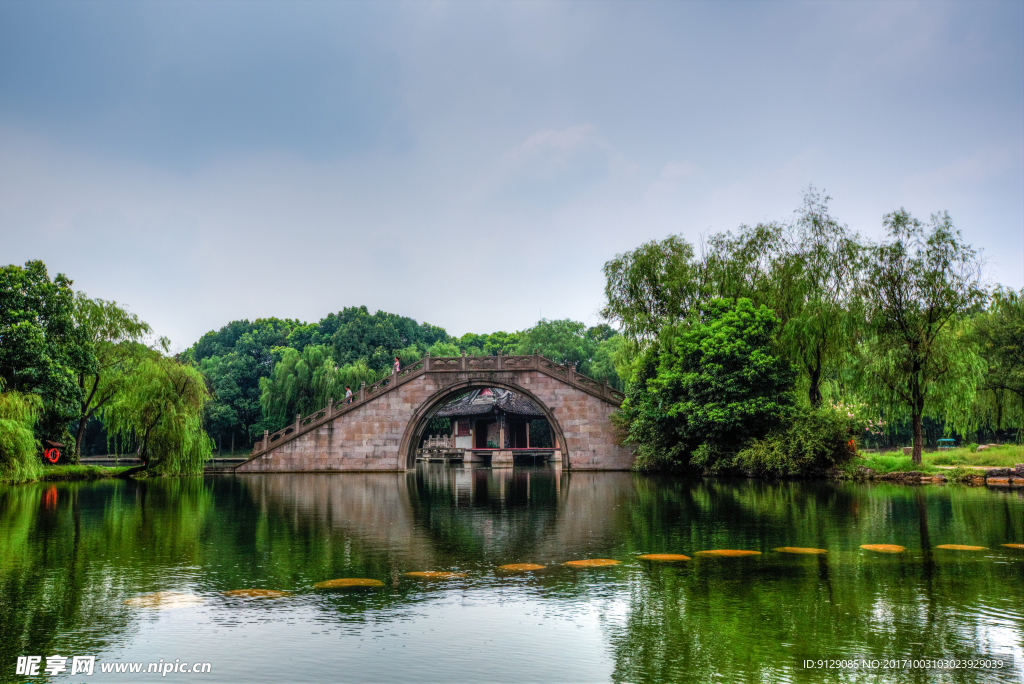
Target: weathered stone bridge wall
{"x": 383, "y": 427}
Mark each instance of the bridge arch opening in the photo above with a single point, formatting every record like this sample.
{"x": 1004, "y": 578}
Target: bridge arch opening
{"x": 417, "y": 427}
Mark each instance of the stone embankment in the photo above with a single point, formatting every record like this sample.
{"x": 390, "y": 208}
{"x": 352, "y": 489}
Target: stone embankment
{"x": 992, "y": 477}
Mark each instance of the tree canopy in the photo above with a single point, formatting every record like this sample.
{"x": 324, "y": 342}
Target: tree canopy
{"x": 704, "y": 391}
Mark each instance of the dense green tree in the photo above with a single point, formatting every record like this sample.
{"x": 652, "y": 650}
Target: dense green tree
{"x": 657, "y": 284}
{"x": 563, "y": 341}
{"x": 264, "y": 333}
{"x": 378, "y": 337}
{"x": 444, "y": 349}
{"x": 705, "y": 390}
{"x": 488, "y": 345}
{"x": 918, "y": 288}
{"x": 39, "y": 344}
{"x": 609, "y": 363}
{"x": 112, "y": 338}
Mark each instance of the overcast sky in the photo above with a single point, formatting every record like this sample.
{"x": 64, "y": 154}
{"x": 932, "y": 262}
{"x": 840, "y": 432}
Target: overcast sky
{"x": 475, "y": 164}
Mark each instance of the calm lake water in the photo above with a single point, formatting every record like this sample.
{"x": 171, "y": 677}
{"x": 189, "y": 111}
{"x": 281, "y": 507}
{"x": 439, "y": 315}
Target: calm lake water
{"x": 78, "y": 562}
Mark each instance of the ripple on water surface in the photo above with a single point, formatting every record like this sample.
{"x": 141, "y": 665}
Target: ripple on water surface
{"x": 257, "y": 593}
{"x": 165, "y": 600}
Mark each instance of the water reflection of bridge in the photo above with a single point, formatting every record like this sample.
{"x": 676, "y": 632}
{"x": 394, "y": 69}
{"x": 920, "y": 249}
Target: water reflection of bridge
{"x": 438, "y": 514}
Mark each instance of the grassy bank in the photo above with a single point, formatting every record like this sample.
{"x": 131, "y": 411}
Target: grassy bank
{"x": 79, "y": 472}
{"x": 1004, "y": 456}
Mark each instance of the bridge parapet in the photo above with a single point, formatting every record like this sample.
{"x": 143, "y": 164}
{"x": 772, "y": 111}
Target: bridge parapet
{"x": 429, "y": 364}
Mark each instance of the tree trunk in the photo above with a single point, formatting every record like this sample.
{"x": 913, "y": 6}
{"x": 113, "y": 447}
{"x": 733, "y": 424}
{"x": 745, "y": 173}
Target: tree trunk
{"x": 814, "y": 393}
{"x": 79, "y": 436}
{"x": 918, "y": 438}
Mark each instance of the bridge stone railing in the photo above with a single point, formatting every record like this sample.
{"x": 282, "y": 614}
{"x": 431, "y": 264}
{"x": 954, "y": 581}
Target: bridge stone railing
{"x": 438, "y": 364}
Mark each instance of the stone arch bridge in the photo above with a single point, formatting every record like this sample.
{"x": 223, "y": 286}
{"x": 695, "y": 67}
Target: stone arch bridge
{"x": 383, "y": 426}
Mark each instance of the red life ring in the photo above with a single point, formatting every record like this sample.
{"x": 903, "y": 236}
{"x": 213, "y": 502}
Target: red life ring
{"x": 51, "y": 455}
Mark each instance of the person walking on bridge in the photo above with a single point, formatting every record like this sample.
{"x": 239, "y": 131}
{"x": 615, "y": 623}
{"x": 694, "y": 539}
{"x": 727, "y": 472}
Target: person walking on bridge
{"x": 397, "y": 367}
{"x": 348, "y": 394}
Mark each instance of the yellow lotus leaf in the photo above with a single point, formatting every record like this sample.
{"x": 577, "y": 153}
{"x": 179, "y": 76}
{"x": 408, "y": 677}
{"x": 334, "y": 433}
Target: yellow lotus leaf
{"x": 434, "y": 574}
{"x": 800, "y": 549}
{"x": 520, "y": 567}
{"x": 664, "y": 557}
{"x": 591, "y": 563}
{"x": 728, "y": 553}
{"x": 257, "y": 593}
{"x": 348, "y": 583}
{"x": 884, "y": 548}
{"x": 165, "y": 600}
{"x": 961, "y": 547}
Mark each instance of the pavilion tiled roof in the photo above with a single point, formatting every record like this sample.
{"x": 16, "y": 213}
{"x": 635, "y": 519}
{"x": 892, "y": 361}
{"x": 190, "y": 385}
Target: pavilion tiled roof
{"x": 484, "y": 401}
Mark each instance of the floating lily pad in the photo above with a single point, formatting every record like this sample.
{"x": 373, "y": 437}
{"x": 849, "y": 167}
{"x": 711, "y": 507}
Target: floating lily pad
{"x": 728, "y": 553}
{"x": 349, "y": 583}
{"x": 1014, "y": 546}
{"x": 961, "y": 547}
{"x": 520, "y": 567}
{"x": 434, "y": 574}
{"x": 884, "y": 548}
{"x": 257, "y": 593}
{"x": 664, "y": 557}
{"x": 591, "y": 563}
{"x": 800, "y": 549}
{"x": 165, "y": 600}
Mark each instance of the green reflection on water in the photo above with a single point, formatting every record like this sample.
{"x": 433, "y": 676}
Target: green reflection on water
{"x": 72, "y": 554}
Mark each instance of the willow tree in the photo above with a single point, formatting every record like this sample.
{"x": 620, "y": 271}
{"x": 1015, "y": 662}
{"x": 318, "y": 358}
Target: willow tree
{"x": 918, "y": 289}
{"x": 19, "y": 448}
{"x": 305, "y": 381}
{"x": 656, "y": 284}
{"x": 813, "y": 291}
{"x": 160, "y": 408}
{"x": 111, "y": 341}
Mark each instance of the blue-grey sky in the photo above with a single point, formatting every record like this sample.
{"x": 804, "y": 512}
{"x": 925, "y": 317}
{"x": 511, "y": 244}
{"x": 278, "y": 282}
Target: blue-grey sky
{"x": 475, "y": 164}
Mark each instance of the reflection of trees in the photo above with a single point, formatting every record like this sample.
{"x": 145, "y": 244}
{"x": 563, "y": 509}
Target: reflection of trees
{"x": 754, "y": 619}
{"x": 71, "y": 554}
